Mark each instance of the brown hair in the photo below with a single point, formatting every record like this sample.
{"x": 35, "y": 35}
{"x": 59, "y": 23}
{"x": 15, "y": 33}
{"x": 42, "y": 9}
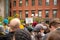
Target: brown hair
{"x": 54, "y": 22}
{"x": 55, "y": 35}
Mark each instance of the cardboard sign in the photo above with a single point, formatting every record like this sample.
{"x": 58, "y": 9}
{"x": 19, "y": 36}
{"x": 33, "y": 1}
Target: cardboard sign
{"x": 29, "y": 20}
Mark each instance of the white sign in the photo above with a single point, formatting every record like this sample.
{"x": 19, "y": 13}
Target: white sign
{"x": 29, "y": 20}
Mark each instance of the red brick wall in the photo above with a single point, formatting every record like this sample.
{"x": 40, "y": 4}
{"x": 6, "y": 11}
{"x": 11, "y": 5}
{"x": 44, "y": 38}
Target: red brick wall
{"x": 58, "y": 9}
{"x": 36, "y": 8}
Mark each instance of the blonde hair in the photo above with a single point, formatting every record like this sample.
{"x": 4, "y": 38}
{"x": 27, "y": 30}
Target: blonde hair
{"x": 15, "y": 22}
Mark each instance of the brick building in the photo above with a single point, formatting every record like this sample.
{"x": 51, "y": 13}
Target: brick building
{"x": 35, "y": 8}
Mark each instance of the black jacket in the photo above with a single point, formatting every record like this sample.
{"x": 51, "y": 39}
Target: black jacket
{"x": 7, "y": 36}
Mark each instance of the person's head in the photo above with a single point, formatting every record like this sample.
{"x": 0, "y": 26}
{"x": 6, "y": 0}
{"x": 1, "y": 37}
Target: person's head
{"x": 34, "y": 23}
{"x": 14, "y": 23}
{"x": 39, "y": 28}
{"x": 54, "y": 35}
{"x": 55, "y": 23}
{"x": 5, "y": 21}
{"x": 21, "y": 35}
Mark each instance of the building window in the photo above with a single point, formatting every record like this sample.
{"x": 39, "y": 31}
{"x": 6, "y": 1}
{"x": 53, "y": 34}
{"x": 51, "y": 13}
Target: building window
{"x": 54, "y": 13}
{"x": 33, "y": 2}
{"x": 33, "y": 13}
{"x": 39, "y": 13}
{"x": 14, "y": 3}
{"x": 47, "y": 2}
{"x": 26, "y": 13}
{"x": 40, "y": 2}
{"x": 47, "y": 13}
{"x": 55, "y": 2}
{"x": 20, "y": 12}
{"x": 14, "y": 13}
{"x": 27, "y": 3}
{"x": 20, "y": 2}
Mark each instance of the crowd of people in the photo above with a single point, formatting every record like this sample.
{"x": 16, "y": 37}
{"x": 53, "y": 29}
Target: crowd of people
{"x": 34, "y": 31}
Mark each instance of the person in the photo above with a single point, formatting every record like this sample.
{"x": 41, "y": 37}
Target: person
{"x": 34, "y": 24}
{"x": 54, "y": 23}
{"x": 17, "y": 33}
{"x": 21, "y": 26}
{"x": 54, "y": 35}
{"x": 21, "y": 35}
{"x": 29, "y": 28}
{"x": 2, "y": 33}
{"x": 39, "y": 31}
{"x": 5, "y": 24}
{"x": 14, "y": 25}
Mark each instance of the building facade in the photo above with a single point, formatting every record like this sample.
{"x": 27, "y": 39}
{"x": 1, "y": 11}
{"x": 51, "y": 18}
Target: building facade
{"x": 35, "y": 8}
{"x": 4, "y": 8}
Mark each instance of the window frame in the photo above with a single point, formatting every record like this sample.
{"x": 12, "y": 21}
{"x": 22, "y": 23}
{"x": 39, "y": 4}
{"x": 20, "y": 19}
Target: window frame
{"x": 20, "y": 2}
{"x": 47, "y": 3}
{"x": 40, "y": 13}
{"x": 20, "y": 14}
{"x": 33, "y": 2}
{"x": 26, "y": 2}
{"x": 47, "y": 14}
{"x": 54, "y": 16}
{"x": 33, "y": 13}
{"x": 26, "y": 14}
{"x": 14, "y": 12}
{"x": 39, "y": 2}
{"x": 55, "y": 3}
{"x": 14, "y": 3}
